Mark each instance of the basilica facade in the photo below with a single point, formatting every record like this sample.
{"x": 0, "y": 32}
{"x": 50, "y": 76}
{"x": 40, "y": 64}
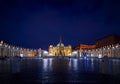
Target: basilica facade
{"x": 60, "y": 49}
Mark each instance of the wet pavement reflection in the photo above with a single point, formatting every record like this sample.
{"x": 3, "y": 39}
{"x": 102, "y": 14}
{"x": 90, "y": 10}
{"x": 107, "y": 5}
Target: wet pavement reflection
{"x": 59, "y": 70}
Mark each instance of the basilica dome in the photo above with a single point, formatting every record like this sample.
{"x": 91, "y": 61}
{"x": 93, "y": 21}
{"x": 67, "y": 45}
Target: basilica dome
{"x": 60, "y": 44}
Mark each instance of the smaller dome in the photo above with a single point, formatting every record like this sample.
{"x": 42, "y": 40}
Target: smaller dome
{"x": 60, "y": 44}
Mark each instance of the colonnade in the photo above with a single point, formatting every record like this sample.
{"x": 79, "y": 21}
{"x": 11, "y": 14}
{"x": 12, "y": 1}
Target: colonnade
{"x": 110, "y": 51}
{"x": 10, "y": 50}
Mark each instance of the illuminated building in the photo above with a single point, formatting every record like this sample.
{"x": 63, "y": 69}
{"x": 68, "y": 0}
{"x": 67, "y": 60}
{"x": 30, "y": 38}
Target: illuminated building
{"x": 60, "y": 49}
{"x": 106, "y": 46}
{"x": 85, "y": 46}
{"x": 11, "y": 51}
{"x": 107, "y": 40}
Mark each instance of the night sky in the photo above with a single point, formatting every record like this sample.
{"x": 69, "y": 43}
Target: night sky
{"x": 39, "y": 23}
